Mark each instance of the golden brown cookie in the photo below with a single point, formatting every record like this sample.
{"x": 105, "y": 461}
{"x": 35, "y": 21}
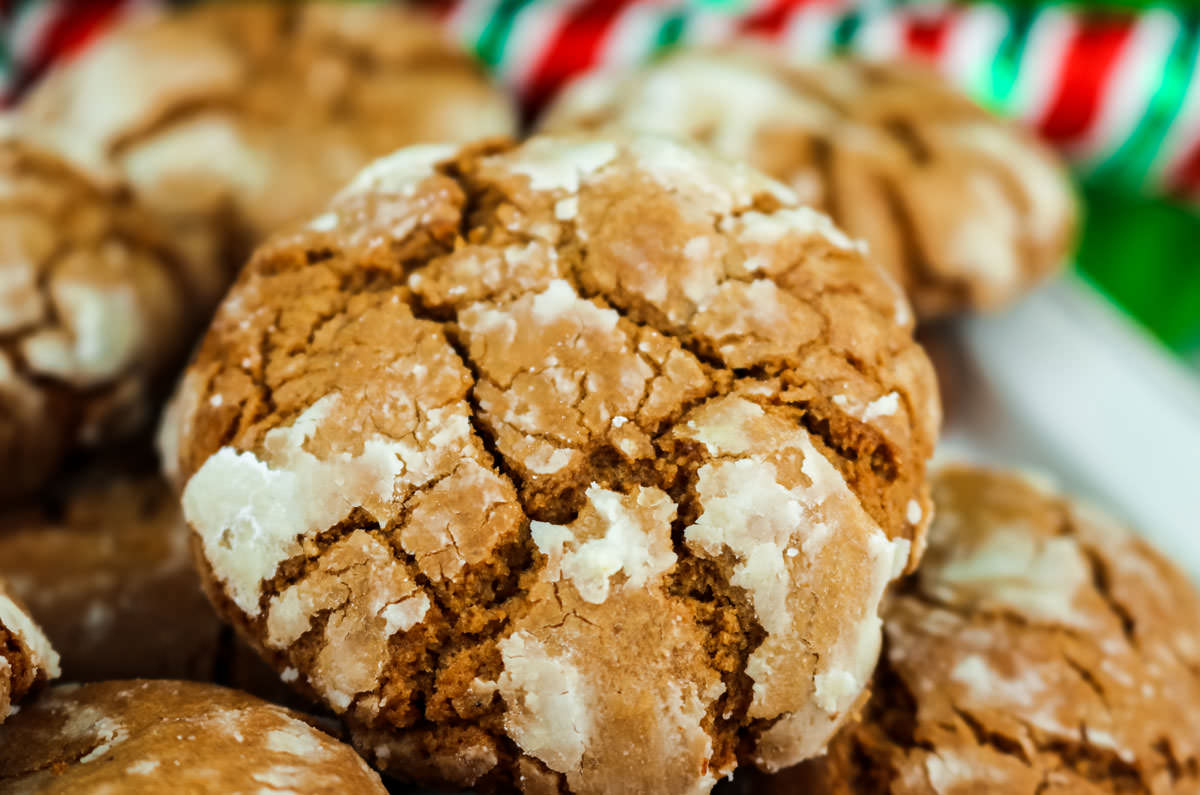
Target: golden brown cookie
{"x": 143, "y": 736}
{"x": 27, "y": 660}
{"x": 232, "y": 119}
{"x": 965, "y": 210}
{"x": 94, "y": 312}
{"x": 1039, "y": 649}
{"x": 577, "y": 463}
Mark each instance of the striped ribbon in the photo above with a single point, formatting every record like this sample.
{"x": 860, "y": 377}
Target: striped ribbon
{"x": 1119, "y": 94}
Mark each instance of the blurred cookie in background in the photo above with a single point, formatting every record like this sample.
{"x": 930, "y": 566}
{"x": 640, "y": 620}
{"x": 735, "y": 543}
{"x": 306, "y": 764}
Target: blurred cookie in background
{"x": 965, "y": 210}
{"x": 94, "y": 315}
{"x": 165, "y": 736}
{"x": 1039, "y": 649}
{"x": 109, "y": 575}
{"x": 232, "y": 119}
{"x": 27, "y": 660}
{"x": 106, "y": 569}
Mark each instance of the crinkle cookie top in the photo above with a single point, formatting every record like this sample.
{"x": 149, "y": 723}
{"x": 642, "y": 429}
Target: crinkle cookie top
{"x": 235, "y": 118}
{"x": 577, "y": 463}
{"x": 93, "y": 310}
{"x": 965, "y": 210}
{"x": 142, "y": 736}
{"x": 27, "y": 660}
{"x": 1041, "y": 648}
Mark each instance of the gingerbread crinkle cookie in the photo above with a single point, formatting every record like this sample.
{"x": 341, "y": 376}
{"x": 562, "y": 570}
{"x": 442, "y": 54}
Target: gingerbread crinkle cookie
{"x": 578, "y": 463}
{"x": 94, "y": 314}
{"x": 1041, "y": 648}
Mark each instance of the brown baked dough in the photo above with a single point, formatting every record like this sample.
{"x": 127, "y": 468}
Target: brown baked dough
{"x": 578, "y": 463}
{"x": 140, "y": 736}
{"x": 965, "y": 210}
{"x": 1040, "y": 650}
{"x": 95, "y": 312}
{"x": 232, "y": 119}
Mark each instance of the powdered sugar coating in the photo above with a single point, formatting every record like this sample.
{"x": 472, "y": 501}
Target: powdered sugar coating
{"x": 769, "y": 490}
{"x": 234, "y": 120}
{"x": 964, "y": 210}
{"x": 567, "y": 655}
{"x": 165, "y": 736}
{"x": 93, "y": 310}
{"x": 27, "y": 660}
{"x": 20, "y": 627}
{"x": 1041, "y": 648}
{"x": 614, "y": 534}
{"x": 465, "y": 476}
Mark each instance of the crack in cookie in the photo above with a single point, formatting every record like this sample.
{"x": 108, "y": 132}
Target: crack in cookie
{"x": 94, "y": 314}
{"x": 542, "y": 402}
{"x": 1006, "y": 668}
{"x": 963, "y": 209}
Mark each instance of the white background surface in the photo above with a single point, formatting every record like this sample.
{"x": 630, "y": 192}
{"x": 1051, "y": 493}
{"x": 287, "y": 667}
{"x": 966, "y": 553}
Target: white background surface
{"x": 1064, "y": 385}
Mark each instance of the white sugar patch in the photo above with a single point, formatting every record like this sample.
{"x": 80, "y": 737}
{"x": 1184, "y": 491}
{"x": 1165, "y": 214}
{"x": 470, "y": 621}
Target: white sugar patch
{"x": 885, "y": 406}
{"x": 209, "y": 144}
{"x": 400, "y": 172}
{"x": 284, "y": 779}
{"x": 110, "y": 733}
{"x": 566, "y": 209}
{"x": 729, "y": 97}
{"x": 771, "y": 228}
{"x": 17, "y": 622}
{"x": 324, "y": 222}
{"x": 548, "y": 714}
{"x": 986, "y": 685}
{"x": 559, "y": 300}
{"x": 833, "y": 689}
{"x": 714, "y": 184}
{"x": 250, "y": 513}
{"x": 1044, "y": 185}
{"x": 297, "y": 739}
{"x": 21, "y": 302}
{"x": 560, "y": 163}
{"x": 845, "y": 670}
{"x": 635, "y": 540}
{"x": 1039, "y": 578}
{"x": 405, "y": 614}
{"x": 547, "y": 460}
{"x": 749, "y": 513}
{"x": 107, "y": 331}
{"x": 143, "y": 767}
{"x": 984, "y": 239}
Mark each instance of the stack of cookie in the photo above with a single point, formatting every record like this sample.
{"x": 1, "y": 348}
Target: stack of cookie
{"x": 594, "y": 462}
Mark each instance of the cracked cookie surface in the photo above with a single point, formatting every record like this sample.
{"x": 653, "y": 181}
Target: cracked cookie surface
{"x": 165, "y": 736}
{"x": 580, "y": 464}
{"x": 93, "y": 315}
{"x": 965, "y": 210}
{"x": 232, "y": 119}
{"x": 27, "y": 660}
{"x": 1040, "y": 649}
